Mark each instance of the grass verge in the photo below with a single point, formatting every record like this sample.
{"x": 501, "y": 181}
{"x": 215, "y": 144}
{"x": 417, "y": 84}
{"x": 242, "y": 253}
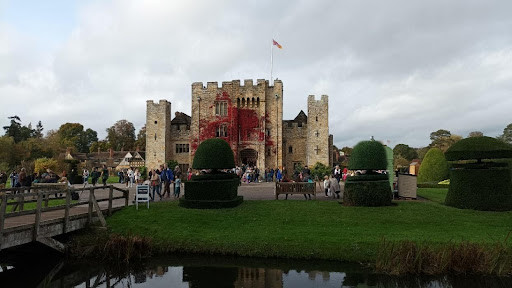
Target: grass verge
{"x": 437, "y": 195}
{"x": 311, "y": 229}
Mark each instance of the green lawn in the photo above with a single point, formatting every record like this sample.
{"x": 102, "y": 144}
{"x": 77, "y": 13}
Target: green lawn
{"x": 307, "y": 229}
{"x": 433, "y": 194}
{"x": 51, "y": 203}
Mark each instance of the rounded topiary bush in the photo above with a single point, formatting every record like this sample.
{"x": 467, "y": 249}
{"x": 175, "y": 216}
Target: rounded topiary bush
{"x": 213, "y": 153}
{"x": 484, "y": 185}
{"x": 368, "y": 155}
{"x": 216, "y": 189}
{"x": 371, "y": 188}
{"x": 434, "y": 167}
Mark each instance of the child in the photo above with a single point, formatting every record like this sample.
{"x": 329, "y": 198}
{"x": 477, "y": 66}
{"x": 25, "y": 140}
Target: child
{"x": 177, "y": 187}
{"x": 326, "y": 185}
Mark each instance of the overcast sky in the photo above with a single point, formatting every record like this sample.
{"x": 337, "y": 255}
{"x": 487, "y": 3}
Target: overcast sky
{"x": 395, "y": 70}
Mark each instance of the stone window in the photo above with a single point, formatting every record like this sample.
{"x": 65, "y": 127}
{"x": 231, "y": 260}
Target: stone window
{"x": 316, "y": 117}
{"x": 267, "y": 132}
{"x": 182, "y": 148}
{"x": 222, "y": 131}
{"x": 221, "y": 108}
{"x": 290, "y": 149}
{"x": 268, "y": 151}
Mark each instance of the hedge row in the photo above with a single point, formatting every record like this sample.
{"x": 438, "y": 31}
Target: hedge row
{"x": 484, "y": 189}
{"x": 367, "y": 193}
{"x": 225, "y": 189}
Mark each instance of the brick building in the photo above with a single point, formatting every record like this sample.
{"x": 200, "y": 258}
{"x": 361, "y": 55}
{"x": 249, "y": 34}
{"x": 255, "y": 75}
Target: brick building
{"x": 249, "y": 117}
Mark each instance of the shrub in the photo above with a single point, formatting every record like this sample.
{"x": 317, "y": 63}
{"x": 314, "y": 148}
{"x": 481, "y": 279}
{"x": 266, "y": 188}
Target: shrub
{"x": 367, "y": 193}
{"x": 41, "y": 164}
{"x": 434, "y": 167}
{"x": 320, "y": 170}
{"x": 479, "y": 148}
{"x": 369, "y": 189}
{"x": 368, "y": 155}
{"x": 480, "y": 189}
{"x": 214, "y": 153}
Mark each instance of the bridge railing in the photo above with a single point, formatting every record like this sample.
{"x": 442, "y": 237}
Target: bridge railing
{"x": 19, "y": 199}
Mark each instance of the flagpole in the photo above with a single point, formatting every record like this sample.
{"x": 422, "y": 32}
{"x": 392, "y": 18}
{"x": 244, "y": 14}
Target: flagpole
{"x": 271, "y": 60}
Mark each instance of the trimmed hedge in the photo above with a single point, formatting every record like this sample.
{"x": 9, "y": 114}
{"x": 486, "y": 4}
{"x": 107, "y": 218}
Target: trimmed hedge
{"x": 217, "y": 176}
{"x": 213, "y": 153}
{"x": 368, "y": 155}
{"x": 224, "y": 189}
{"x": 480, "y": 189}
{"x": 479, "y": 148}
{"x": 434, "y": 167}
{"x": 432, "y": 185}
{"x": 367, "y": 193}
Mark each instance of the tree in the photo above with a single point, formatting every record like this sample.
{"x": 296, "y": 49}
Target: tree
{"x": 405, "y": 151}
{"x": 443, "y": 139}
{"x": 319, "y": 170}
{"x": 121, "y": 135}
{"x": 507, "y": 134}
{"x": 86, "y": 139}
{"x": 17, "y": 131}
{"x": 141, "y": 139}
{"x": 434, "y": 167}
{"x": 38, "y": 132}
{"x": 400, "y": 162}
{"x": 475, "y": 134}
{"x": 73, "y": 135}
{"x": 102, "y": 145}
{"x": 346, "y": 150}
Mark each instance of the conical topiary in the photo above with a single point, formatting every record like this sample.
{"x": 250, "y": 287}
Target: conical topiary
{"x": 434, "y": 167}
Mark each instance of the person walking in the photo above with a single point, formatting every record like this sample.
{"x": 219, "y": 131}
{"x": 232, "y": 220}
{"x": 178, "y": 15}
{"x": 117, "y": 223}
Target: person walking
{"x": 104, "y": 175}
{"x": 279, "y": 175}
{"x": 85, "y": 176}
{"x": 177, "y": 187}
{"x": 155, "y": 184}
{"x": 130, "y": 177}
{"x": 327, "y": 185}
{"x": 337, "y": 173}
{"x": 167, "y": 177}
{"x": 334, "y": 185}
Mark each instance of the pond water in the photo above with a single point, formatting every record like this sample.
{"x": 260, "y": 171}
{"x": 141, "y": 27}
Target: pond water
{"x": 209, "y": 271}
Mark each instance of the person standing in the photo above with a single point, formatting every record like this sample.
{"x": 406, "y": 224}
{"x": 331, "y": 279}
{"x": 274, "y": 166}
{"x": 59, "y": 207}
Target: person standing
{"x": 337, "y": 173}
{"x": 136, "y": 176}
{"x": 327, "y": 185}
{"x": 334, "y": 185}
{"x": 94, "y": 176}
{"x": 167, "y": 177}
{"x": 130, "y": 177}
{"x": 3, "y": 179}
{"x": 85, "y": 175}
{"x": 104, "y": 175}
{"x": 155, "y": 184}
{"x": 14, "y": 178}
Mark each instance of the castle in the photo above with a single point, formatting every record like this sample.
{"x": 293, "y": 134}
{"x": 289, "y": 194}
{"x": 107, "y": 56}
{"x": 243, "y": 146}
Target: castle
{"x": 249, "y": 117}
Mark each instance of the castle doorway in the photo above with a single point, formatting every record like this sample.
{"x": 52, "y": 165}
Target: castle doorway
{"x": 249, "y": 157}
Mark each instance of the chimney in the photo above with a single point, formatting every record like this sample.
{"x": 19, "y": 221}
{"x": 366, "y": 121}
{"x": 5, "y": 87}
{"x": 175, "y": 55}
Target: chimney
{"x": 110, "y": 153}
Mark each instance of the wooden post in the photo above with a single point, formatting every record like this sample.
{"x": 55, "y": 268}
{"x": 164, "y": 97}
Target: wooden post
{"x": 66, "y": 212}
{"x": 91, "y": 194}
{"x": 98, "y": 212}
{"x": 3, "y": 206}
{"x": 126, "y": 196}
{"x": 110, "y": 195}
{"x": 38, "y": 215}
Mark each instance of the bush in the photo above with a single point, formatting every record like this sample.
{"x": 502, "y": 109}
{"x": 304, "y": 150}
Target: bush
{"x": 367, "y": 193}
{"x": 434, "y": 167}
{"x": 368, "y": 155}
{"x": 320, "y": 170}
{"x": 479, "y": 148}
{"x": 480, "y": 189}
{"x": 214, "y": 153}
{"x": 223, "y": 189}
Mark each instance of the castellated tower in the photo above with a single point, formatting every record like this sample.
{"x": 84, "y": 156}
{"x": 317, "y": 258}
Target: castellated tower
{"x": 158, "y": 134}
{"x": 317, "y": 143}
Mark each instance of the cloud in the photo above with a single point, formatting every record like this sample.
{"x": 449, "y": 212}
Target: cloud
{"x": 393, "y": 70}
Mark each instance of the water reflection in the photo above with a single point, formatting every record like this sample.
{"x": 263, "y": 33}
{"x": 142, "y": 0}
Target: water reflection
{"x": 197, "y": 271}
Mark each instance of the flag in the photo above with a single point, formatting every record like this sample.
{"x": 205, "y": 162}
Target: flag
{"x": 277, "y": 44}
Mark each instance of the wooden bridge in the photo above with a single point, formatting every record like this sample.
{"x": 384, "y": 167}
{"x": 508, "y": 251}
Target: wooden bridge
{"x": 39, "y": 213}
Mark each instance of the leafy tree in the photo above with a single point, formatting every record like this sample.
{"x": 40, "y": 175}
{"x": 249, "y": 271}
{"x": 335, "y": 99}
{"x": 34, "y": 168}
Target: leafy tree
{"x": 141, "y": 139}
{"x": 36, "y": 148}
{"x": 434, "y": 167}
{"x": 121, "y": 135}
{"x": 38, "y": 132}
{"x": 73, "y": 135}
{"x": 171, "y": 164}
{"x": 102, "y": 145}
{"x": 405, "y": 151}
{"x": 422, "y": 152}
{"x": 347, "y": 150}
{"x": 507, "y": 134}
{"x": 320, "y": 170}
{"x": 17, "y": 131}
{"x": 443, "y": 139}
{"x": 400, "y": 162}
{"x": 41, "y": 164}
{"x": 475, "y": 134}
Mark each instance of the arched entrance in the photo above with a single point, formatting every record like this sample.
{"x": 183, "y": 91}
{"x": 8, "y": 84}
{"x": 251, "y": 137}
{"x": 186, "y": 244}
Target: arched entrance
{"x": 248, "y": 157}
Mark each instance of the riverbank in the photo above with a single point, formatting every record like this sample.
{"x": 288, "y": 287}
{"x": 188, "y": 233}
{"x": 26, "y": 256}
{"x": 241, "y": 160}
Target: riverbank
{"x": 317, "y": 230}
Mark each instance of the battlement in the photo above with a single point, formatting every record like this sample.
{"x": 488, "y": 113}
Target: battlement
{"x": 248, "y": 84}
{"x": 324, "y": 99}
{"x": 160, "y": 103}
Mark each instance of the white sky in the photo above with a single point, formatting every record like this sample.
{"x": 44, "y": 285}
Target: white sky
{"x": 395, "y": 70}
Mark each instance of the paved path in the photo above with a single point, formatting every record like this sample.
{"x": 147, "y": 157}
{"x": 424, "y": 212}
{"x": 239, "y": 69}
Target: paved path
{"x": 251, "y": 191}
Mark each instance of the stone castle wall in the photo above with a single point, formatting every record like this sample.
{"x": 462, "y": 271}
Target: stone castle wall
{"x": 317, "y": 145}
{"x": 294, "y": 149}
{"x": 158, "y": 136}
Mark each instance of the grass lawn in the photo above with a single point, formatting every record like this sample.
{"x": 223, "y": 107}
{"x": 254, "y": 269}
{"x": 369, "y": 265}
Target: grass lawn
{"x": 33, "y": 205}
{"x": 307, "y": 229}
{"x": 433, "y": 194}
